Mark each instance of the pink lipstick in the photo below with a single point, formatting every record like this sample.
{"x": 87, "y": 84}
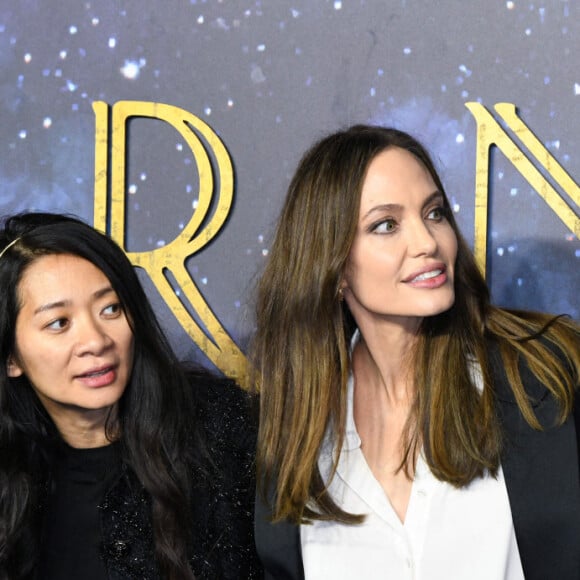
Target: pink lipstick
{"x": 429, "y": 277}
{"x": 97, "y": 378}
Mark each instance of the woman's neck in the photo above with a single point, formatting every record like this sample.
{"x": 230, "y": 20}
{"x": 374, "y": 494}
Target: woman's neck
{"x": 84, "y": 430}
{"x": 383, "y": 357}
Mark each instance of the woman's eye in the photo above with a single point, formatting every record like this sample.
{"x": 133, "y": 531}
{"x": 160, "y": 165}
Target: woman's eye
{"x": 58, "y": 324}
{"x": 385, "y": 227}
{"x": 112, "y": 310}
{"x": 437, "y": 214}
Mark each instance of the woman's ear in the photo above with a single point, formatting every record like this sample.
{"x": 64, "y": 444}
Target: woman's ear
{"x": 13, "y": 368}
{"x": 341, "y": 286}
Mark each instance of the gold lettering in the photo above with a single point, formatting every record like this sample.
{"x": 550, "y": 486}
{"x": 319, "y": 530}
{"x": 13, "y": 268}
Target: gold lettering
{"x": 489, "y": 133}
{"x": 101, "y": 164}
{"x": 214, "y": 340}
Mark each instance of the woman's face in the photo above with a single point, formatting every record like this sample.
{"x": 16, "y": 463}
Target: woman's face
{"x": 401, "y": 263}
{"x": 73, "y": 341}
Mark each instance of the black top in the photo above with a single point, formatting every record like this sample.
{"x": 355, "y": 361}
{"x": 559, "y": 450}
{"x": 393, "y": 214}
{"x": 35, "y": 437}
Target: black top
{"x": 71, "y": 530}
{"x": 94, "y": 517}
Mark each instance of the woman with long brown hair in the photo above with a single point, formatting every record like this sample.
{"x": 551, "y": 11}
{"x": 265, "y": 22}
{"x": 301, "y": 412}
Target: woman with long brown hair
{"x": 409, "y": 428}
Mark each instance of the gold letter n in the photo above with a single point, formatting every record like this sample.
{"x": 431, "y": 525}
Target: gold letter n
{"x": 489, "y": 133}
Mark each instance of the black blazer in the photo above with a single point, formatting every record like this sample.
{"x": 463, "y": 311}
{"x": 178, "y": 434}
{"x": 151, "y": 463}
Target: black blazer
{"x": 542, "y": 474}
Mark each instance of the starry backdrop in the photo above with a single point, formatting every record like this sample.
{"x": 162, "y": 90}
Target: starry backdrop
{"x": 270, "y": 77}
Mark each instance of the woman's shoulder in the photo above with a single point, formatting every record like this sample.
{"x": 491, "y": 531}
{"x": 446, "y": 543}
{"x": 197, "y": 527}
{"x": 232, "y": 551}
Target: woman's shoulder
{"x": 227, "y": 420}
{"x": 227, "y": 415}
{"x": 560, "y": 338}
{"x": 546, "y": 367}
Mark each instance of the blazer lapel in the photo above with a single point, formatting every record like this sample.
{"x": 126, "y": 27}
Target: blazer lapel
{"x": 278, "y": 545}
{"x": 541, "y": 470}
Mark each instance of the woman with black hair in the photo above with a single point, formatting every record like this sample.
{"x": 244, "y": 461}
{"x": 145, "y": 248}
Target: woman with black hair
{"x": 114, "y": 463}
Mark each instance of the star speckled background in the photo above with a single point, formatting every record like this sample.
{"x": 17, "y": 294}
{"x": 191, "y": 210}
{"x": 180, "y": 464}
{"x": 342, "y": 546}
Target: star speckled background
{"x": 270, "y": 77}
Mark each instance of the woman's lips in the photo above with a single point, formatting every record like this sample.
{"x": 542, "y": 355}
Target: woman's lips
{"x": 427, "y": 275}
{"x": 102, "y": 377}
{"x": 431, "y": 277}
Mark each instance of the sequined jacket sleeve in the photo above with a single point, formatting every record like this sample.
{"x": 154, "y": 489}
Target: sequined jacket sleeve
{"x": 229, "y": 419}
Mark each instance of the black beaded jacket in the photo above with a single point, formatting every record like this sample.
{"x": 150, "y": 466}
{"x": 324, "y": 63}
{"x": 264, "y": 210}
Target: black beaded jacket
{"x": 222, "y": 545}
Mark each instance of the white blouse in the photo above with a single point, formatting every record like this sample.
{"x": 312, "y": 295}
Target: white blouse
{"x": 448, "y": 533}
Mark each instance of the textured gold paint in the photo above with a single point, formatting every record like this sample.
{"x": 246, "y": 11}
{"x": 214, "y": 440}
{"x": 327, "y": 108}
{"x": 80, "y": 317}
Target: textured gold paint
{"x": 489, "y": 133}
{"x": 101, "y": 164}
{"x": 214, "y": 340}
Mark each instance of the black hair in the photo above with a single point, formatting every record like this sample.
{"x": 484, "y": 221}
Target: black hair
{"x": 153, "y": 420}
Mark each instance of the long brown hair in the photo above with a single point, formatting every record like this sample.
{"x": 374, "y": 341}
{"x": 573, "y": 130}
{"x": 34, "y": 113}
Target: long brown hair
{"x": 303, "y": 330}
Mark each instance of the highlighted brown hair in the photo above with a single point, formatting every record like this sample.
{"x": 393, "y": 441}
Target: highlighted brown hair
{"x": 303, "y": 330}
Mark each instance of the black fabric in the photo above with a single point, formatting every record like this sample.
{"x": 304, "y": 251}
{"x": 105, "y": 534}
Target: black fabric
{"x": 278, "y": 545}
{"x": 222, "y": 546}
{"x": 541, "y": 470}
{"x": 71, "y": 530}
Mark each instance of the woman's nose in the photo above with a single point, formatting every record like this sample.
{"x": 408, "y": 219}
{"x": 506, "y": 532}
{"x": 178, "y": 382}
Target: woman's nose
{"x": 92, "y": 337}
{"x": 421, "y": 239}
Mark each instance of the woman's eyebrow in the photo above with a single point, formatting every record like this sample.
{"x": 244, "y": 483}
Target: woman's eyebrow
{"x": 385, "y": 207}
{"x": 435, "y": 195}
{"x": 63, "y": 303}
{"x": 51, "y": 305}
